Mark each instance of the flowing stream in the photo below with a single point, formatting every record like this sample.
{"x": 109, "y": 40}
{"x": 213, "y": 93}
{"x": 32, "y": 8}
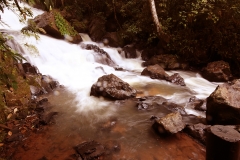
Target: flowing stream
{"x": 82, "y": 117}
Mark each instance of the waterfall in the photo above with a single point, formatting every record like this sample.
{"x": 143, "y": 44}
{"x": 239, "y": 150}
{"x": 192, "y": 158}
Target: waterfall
{"x": 76, "y": 68}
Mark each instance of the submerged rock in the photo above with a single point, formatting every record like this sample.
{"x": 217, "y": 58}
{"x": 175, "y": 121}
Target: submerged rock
{"x": 90, "y": 150}
{"x": 100, "y": 55}
{"x": 218, "y": 71}
{"x": 153, "y": 102}
{"x": 110, "y": 86}
{"x": 45, "y": 119}
{"x": 176, "y": 79}
{"x": 174, "y": 107}
{"x": 223, "y": 105}
{"x": 150, "y": 102}
{"x": 170, "y": 124}
{"x": 197, "y": 104}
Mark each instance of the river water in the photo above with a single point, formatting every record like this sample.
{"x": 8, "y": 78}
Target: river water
{"x": 83, "y": 118}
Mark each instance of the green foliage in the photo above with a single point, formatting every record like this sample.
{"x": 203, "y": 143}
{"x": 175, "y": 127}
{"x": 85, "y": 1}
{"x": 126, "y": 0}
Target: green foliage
{"x": 204, "y": 30}
{"x": 7, "y": 58}
{"x": 32, "y": 49}
{"x": 31, "y": 29}
{"x": 63, "y": 25}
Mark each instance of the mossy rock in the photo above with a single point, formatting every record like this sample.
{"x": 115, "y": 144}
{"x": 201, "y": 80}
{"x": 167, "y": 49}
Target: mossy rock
{"x": 56, "y": 26}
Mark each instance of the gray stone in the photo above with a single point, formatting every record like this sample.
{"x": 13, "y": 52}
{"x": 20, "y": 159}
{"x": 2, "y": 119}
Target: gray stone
{"x": 218, "y": 71}
{"x": 223, "y": 105}
{"x": 112, "y": 87}
{"x": 170, "y": 124}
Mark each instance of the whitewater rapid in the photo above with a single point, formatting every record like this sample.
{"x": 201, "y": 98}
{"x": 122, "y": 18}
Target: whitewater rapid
{"x": 76, "y": 69}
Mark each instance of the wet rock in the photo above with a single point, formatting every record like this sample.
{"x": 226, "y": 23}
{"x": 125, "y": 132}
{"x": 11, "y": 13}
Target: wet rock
{"x": 45, "y": 119}
{"x": 223, "y": 142}
{"x": 155, "y": 72}
{"x": 223, "y": 105}
{"x": 28, "y": 68}
{"x": 90, "y": 150}
{"x": 218, "y": 71}
{"x": 176, "y": 79}
{"x": 41, "y": 84}
{"x": 150, "y": 102}
{"x": 46, "y": 21}
{"x": 174, "y": 107}
{"x": 197, "y": 104}
{"x": 43, "y": 101}
{"x": 48, "y": 83}
{"x": 170, "y": 124}
{"x": 110, "y": 86}
{"x": 100, "y": 55}
{"x": 166, "y": 61}
{"x": 197, "y": 131}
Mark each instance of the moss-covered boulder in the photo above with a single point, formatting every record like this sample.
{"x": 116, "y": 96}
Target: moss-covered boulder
{"x": 56, "y": 26}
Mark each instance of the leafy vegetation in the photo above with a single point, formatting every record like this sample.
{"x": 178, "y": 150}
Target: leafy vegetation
{"x": 63, "y": 25}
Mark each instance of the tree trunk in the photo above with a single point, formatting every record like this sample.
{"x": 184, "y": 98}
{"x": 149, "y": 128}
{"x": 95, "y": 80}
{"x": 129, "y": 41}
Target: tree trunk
{"x": 161, "y": 34}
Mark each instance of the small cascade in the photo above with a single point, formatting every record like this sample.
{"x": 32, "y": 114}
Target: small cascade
{"x": 78, "y": 68}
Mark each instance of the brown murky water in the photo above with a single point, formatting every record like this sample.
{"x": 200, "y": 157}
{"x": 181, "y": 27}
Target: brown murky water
{"x": 115, "y": 123}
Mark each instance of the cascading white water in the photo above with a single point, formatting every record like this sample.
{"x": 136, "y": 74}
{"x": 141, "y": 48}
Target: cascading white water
{"x": 76, "y": 68}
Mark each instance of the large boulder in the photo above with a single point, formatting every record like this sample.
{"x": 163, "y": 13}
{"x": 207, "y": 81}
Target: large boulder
{"x": 155, "y": 72}
{"x": 48, "y": 24}
{"x": 218, "y": 71}
{"x": 223, "y": 142}
{"x": 112, "y": 87}
{"x": 170, "y": 124}
{"x": 223, "y": 105}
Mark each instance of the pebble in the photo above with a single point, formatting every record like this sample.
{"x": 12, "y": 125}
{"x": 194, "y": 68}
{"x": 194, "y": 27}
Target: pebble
{"x": 9, "y": 116}
{"x": 9, "y": 133}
